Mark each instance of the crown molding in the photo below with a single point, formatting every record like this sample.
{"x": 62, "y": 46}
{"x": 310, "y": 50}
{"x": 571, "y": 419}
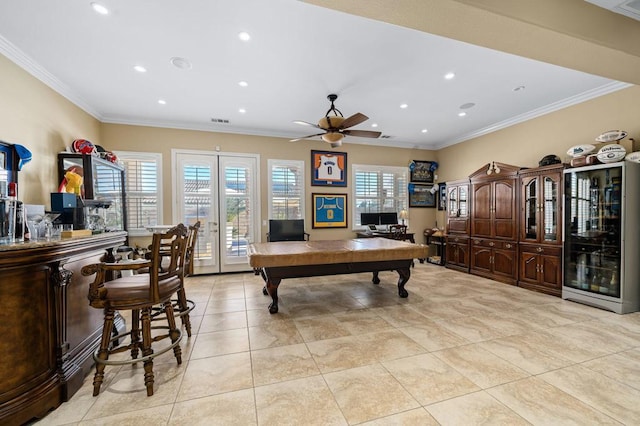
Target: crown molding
{"x": 24, "y": 61}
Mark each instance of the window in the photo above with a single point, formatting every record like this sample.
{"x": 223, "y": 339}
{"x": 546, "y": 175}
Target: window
{"x": 378, "y": 189}
{"x": 143, "y": 179}
{"x": 286, "y": 189}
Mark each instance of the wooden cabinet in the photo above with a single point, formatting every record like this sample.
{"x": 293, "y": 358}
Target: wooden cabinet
{"x": 494, "y": 222}
{"x": 494, "y": 259}
{"x": 541, "y": 268}
{"x": 50, "y": 331}
{"x": 458, "y": 207}
{"x": 540, "y": 209}
{"x": 457, "y": 253}
{"x": 540, "y": 235}
{"x": 493, "y": 202}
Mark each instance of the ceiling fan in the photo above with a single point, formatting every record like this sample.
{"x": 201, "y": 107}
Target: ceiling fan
{"x": 335, "y": 127}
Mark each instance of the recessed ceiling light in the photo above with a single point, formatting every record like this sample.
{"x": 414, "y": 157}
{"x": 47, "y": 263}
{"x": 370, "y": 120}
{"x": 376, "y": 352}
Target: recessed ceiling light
{"x": 162, "y": 102}
{"x": 519, "y": 88}
{"x": 449, "y": 76}
{"x": 181, "y": 63}
{"x": 403, "y": 106}
{"x": 100, "y": 8}
{"x": 424, "y": 130}
{"x": 374, "y": 125}
{"x": 462, "y": 114}
{"x": 243, "y": 83}
{"x": 467, "y": 105}
{"x": 244, "y": 36}
{"x": 242, "y": 110}
{"x": 140, "y": 68}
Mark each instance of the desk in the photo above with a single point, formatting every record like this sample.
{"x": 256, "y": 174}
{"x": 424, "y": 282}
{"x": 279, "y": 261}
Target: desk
{"x": 296, "y": 259}
{"x": 409, "y": 236}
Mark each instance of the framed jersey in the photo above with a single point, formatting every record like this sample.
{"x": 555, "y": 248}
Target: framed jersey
{"x": 329, "y": 210}
{"x": 328, "y": 168}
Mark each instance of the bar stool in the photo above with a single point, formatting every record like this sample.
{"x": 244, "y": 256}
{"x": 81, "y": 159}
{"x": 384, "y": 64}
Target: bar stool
{"x": 140, "y": 293}
{"x": 184, "y": 305}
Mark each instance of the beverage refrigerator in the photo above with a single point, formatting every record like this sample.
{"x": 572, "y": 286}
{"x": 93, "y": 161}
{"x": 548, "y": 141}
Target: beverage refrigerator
{"x": 602, "y": 236}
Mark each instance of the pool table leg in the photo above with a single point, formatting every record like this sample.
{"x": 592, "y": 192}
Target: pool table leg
{"x": 404, "y": 274}
{"x": 375, "y": 279}
{"x": 272, "y": 289}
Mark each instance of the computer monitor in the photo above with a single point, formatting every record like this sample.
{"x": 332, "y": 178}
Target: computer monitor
{"x": 389, "y": 218}
{"x": 369, "y": 218}
{"x": 286, "y": 230}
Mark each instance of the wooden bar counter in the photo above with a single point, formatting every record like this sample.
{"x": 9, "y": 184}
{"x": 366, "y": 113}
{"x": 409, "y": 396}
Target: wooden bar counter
{"x": 48, "y": 331}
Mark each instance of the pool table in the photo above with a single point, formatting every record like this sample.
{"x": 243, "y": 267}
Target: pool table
{"x": 296, "y": 259}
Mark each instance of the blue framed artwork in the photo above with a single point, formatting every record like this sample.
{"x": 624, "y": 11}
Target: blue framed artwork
{"x": 329, "y": 210}
{"x": 328, "y": 168}
{"x": 421, "y": 195}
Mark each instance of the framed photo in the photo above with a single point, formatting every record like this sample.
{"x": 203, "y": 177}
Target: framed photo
{"x": 421, "y": 171}
{"x": 442, "y": 197}
{"x": 328, "y": 168}
{"x": 329, "y": 210}
{"x": 421, "y": 196}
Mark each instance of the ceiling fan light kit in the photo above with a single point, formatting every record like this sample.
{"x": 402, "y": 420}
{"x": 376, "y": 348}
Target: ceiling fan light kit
{"x": 336, "y": 127}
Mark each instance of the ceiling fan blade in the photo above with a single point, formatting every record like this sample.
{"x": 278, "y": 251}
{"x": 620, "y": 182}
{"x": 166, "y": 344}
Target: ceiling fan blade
{"x": 362, "y": 133}
{"x": 306, "y": 137}
{"x": 304, "y": 123}
{"x": 354, "y": 120}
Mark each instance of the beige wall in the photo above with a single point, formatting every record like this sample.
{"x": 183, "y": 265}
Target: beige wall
{"x": 150, "y": 139}
{"x": 33, "y": 115}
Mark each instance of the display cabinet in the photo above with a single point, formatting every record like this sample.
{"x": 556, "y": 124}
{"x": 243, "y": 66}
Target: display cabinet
{"x": 458, "y": 207}
{"x": 540, "y": 253}
{"x": 457, "y": 231}
{"x": 601, "y": 236}
{"x": 494, "y": 222}
{"x": 103, "y": 181}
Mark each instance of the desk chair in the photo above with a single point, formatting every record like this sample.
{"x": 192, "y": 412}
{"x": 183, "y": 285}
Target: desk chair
{"x": 139, "y": 293}
{"x": 398, "y": 232}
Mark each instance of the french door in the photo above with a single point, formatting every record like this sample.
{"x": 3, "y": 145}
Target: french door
{"x": 221, "y": 191}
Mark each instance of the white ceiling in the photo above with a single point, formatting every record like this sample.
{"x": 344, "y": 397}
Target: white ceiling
{"x": 297, "y": 55}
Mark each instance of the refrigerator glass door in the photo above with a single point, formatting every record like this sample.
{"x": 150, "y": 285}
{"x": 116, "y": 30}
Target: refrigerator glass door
{"x": 592, "y": 233}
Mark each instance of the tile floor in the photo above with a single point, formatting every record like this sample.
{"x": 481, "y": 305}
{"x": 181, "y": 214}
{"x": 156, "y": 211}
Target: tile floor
{"x": 461, "y": 350}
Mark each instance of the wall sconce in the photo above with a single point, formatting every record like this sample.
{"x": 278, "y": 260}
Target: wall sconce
{"x": 434, "y": 189}
{"x": 404, "y": 214}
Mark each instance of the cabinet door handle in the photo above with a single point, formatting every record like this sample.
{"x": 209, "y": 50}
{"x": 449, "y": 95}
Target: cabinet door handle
{"x": 539, "y": 249}
{"x": 491, "y": 243}
{"x": 508, "y": 245}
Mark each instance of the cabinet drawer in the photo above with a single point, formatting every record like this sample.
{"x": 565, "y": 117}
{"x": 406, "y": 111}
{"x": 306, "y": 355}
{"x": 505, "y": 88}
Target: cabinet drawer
{"x": 539, "y": 249}
{"x": 494, "y": 244}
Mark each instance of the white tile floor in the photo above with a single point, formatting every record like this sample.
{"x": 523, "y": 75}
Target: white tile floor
{"x": 461, "y": 350}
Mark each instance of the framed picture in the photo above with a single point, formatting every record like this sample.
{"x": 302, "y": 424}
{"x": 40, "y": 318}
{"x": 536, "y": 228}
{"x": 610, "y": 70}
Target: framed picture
{"x": 329, "y": 210}
{"x": 422, "y": 171}
{"x": 442, "y": 197}
{"x": 421, "y": 195}
{"x": 328, "y": 168}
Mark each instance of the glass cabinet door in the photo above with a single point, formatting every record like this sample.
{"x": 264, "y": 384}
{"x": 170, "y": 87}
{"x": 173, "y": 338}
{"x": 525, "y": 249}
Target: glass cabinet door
{"x": 550, "y": 209}
{"x": 452, "y": 198}
{"x": 463, "y": 205}
{"x": 530, "y": 209}
{"x": 592, "y": 232}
